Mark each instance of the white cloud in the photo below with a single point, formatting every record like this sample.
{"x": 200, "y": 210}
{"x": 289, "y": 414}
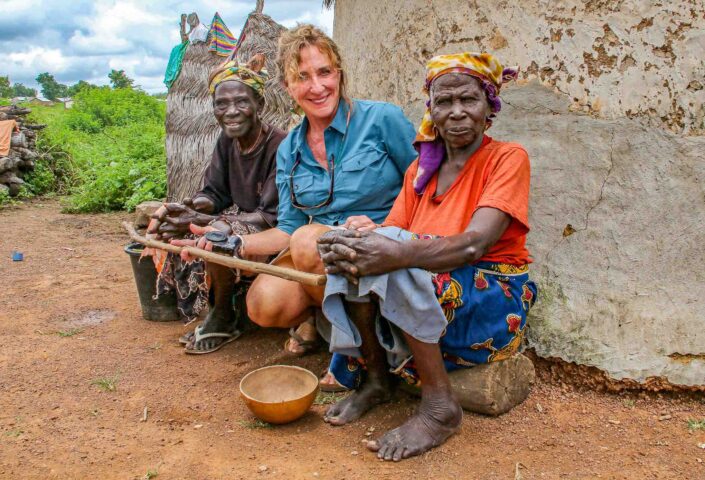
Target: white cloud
{"x": 82, "y": 40}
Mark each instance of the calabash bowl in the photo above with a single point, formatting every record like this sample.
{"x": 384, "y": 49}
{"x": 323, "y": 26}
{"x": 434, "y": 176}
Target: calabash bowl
{"x": 279, "y": 394}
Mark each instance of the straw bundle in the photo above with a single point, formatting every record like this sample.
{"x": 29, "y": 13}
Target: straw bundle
{"x": 191, "y": 129}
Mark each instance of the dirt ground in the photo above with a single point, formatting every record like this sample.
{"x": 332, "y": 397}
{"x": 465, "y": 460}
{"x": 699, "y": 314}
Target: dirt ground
{"x": 70, "y": 317}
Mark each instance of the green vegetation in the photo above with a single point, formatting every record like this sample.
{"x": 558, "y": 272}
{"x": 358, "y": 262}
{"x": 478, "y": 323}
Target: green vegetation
{"x": 51, "y": 89}
{"x": 327, "y": 398}
{"x": 107, "y": 384}
{"x": 119, "y": 79}
{"x": 106, "y": 153}
{"x": 151, "y": 473}
{"x": 15, "y": 432}
{"x": 16, "y": 90}
{"x": 255, "y": 424}
{"x": 70, "y": 332}
{"x": 696, "y": 425}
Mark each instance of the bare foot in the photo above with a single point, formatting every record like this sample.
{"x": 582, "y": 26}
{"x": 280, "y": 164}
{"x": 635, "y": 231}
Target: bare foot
{"x": 358, "y": 403}
{"x": 437, "y": 418}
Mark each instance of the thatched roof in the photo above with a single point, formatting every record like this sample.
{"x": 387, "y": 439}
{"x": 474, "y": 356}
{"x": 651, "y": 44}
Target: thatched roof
{"x": 191, "y": 129}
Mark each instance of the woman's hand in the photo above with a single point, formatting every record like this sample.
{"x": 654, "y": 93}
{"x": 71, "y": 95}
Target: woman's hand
{"x": 362, "y": 223}
{"x": 353, "y": 254}
{"x": 155, "y": 222}
{"x": 200, "y": 242}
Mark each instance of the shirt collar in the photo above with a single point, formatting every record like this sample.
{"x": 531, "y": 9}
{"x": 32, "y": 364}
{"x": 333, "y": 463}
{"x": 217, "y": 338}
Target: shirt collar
{"x": 339, "y": 124}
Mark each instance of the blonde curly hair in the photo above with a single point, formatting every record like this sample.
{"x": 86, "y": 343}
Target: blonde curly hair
{"x": 291, "y": 43}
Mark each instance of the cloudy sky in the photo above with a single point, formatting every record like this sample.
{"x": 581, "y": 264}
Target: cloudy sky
{"x": 84, "y": 39}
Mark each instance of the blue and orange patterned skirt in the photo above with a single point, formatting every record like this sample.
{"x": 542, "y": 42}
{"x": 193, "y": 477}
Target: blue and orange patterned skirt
{"x": 486, "y": 305}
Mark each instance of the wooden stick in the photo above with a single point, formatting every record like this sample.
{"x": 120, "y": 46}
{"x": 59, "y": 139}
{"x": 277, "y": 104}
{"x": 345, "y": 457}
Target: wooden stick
{"x": 232, "y": 262}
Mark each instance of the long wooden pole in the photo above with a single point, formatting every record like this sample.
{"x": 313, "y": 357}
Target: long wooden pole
{"x": 232, "y": 262}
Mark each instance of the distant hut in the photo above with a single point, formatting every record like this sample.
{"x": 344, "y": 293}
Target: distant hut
{"x": 191, "y": 129}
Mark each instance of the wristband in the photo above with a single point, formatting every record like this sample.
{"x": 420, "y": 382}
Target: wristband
{"x": 240, "y": 252}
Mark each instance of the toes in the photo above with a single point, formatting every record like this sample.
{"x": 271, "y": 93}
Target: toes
{"x": 399, "y": 453}
{"x": 333, "y": 411}
{"x": 337, "y": 421}
{"x": 382, "y": 451}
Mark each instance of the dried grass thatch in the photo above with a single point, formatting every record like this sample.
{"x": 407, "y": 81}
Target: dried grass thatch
{"x": 191, "y": 129}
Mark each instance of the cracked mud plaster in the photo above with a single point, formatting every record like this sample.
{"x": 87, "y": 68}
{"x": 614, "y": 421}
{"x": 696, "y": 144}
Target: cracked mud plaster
{"x": 632, "y": 58}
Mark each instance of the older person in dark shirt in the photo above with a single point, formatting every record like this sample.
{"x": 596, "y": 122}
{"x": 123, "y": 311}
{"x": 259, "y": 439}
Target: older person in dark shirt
{"x": 239, "y": 196}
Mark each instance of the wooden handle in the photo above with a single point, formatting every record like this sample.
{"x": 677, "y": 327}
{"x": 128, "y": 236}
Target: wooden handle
{"x": 232, "y": 262}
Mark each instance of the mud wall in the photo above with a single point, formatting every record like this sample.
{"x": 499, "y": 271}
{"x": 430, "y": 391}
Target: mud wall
{"x": 610, "y": 109}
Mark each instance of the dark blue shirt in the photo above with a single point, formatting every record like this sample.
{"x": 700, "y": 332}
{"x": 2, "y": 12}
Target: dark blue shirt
{"x": 369, "y": 166}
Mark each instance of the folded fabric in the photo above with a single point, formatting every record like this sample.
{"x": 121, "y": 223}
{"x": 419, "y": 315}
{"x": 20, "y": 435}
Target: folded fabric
{"x": 222, "y": 41}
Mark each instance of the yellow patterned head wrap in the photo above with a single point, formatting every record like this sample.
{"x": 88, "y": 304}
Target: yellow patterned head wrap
{"x": 253, "y": 74}
{"x": 484, "y": 67}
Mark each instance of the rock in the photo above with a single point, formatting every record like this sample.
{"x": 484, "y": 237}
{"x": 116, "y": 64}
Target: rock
{"x": 8, "y": 163}
{"x": 14, "y": 189}
{"x": 27, "y": 165}
{"x": 18, "y": 139}
{"x": 144, "y": 211}
{"x": 10, "y": 178}
{"x": 494, "y": 388}
{"x": 27, "y": 154}
{"x": 4, "y": 190}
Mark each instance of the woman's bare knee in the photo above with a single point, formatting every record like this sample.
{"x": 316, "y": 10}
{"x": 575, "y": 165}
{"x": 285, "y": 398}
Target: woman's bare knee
{"x": 304, "y": 248}
{"x": 273, "y": 302}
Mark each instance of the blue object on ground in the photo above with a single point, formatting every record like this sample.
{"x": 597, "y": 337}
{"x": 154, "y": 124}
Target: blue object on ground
{"x": 17, "y": 256}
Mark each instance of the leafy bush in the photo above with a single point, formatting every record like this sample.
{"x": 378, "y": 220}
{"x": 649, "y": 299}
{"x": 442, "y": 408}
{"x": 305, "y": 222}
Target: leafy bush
{"x": 107, "y": 152}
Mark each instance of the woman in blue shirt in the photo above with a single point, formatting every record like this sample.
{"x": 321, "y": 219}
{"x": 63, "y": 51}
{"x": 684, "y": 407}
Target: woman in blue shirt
{"x": 346, "y": 159}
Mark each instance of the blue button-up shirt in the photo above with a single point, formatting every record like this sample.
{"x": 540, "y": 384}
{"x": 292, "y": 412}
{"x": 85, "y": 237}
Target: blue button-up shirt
{"x": 369, "y": 166}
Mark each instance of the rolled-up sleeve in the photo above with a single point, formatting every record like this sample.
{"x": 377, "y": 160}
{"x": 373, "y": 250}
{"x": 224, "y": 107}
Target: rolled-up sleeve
{"x": 398, "y": 136}
{"x": 289, "y": 218}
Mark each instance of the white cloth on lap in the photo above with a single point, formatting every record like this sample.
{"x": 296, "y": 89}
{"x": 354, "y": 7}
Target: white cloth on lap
{"x": 407, "y": 302}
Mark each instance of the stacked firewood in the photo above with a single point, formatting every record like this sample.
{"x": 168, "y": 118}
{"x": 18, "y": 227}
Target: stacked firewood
{"x": 23, "y": 155}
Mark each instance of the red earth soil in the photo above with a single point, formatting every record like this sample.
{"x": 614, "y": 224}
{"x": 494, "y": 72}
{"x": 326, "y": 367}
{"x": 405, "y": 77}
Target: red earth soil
{"x": 69, "y": 317}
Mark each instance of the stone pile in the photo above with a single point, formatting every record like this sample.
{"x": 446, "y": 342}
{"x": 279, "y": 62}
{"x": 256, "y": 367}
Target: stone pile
{"x": 23, "y": 154}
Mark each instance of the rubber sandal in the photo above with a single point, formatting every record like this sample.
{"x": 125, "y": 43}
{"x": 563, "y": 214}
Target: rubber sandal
{"x": 334, "y": 388}
{"x": 307, "y": 346}
{"x": 198, "y": 336}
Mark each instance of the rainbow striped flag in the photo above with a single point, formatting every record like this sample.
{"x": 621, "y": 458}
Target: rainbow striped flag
{"x": 222, "y": 41}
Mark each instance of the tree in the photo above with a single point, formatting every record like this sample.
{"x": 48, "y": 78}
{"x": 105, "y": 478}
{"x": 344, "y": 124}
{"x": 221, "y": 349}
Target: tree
{"x": 118, "y": 79}
{"x": 77, "y": 87}
{"x": 51, "y": 89}
{"x": 5, "y": 89}
{"x": 19, "y": 90}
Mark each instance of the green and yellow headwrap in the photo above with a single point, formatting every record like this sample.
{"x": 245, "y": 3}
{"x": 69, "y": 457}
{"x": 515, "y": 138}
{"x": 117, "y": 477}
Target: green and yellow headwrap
{"x": 251, "y": 74}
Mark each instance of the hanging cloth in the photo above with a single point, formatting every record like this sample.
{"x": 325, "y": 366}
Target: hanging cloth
{"x": 173, "y": 68}
{"x": 6, "y": 129}
{"x": 222, "y": 41}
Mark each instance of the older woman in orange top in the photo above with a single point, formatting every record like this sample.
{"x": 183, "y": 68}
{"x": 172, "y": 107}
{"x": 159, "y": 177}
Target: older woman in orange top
{"x": 463, "y": 215}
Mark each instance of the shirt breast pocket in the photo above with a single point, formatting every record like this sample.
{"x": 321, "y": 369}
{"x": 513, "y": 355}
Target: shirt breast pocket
{"x": 364, "y": 171}
{"x": 306, "y": 191}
